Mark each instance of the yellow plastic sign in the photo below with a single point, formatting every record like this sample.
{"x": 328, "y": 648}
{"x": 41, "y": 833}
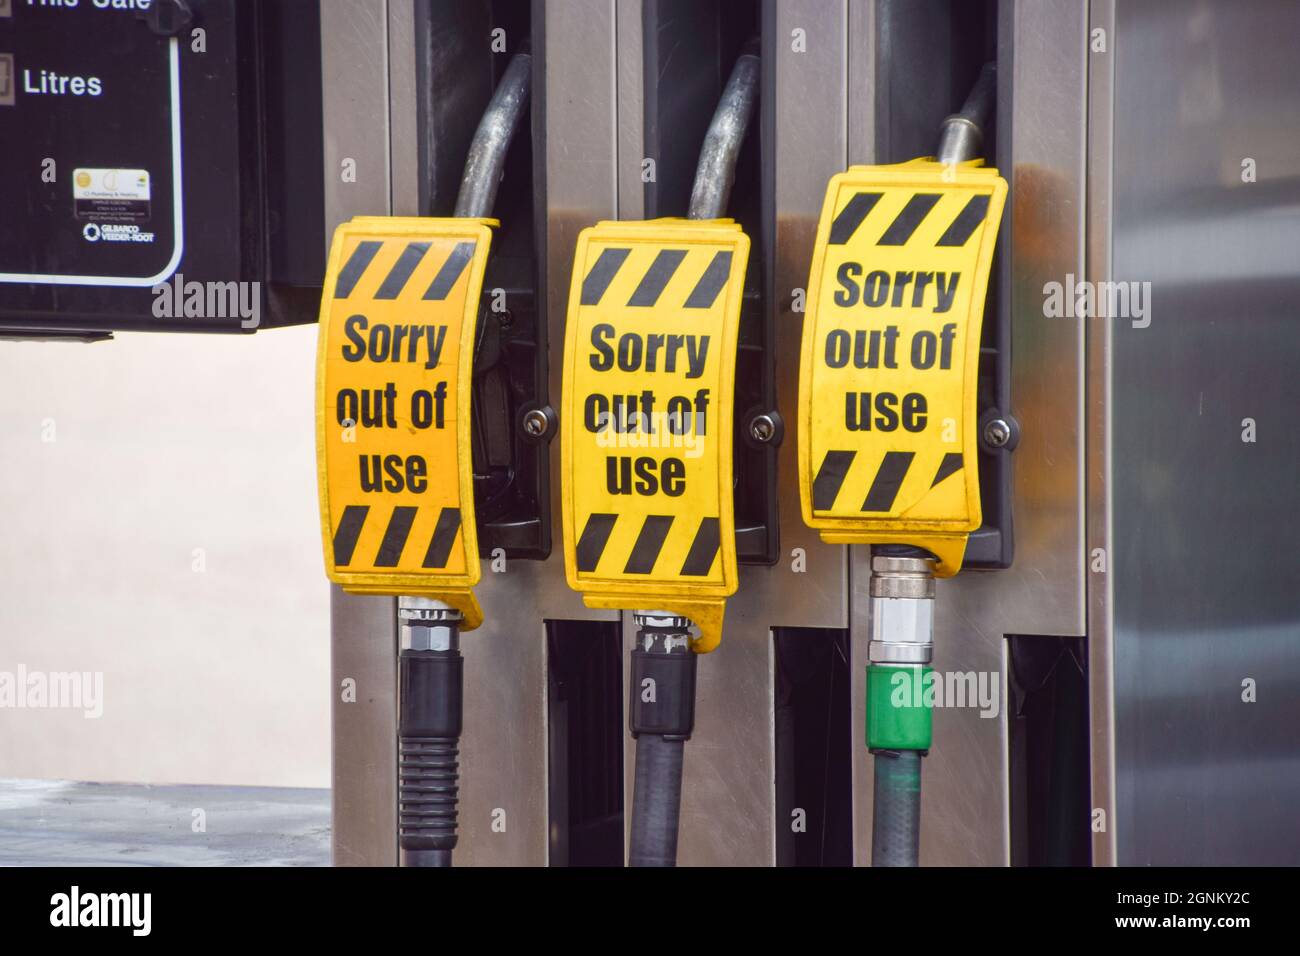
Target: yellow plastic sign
{"x": 646, "y": 419}
{"x": 890, "y": 358}
{"x": 397, "y": 323}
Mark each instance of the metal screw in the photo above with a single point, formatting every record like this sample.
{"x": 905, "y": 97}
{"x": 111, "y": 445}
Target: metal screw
{"x": 762, "y": 428}
{"x": 997, "y": 432}
{"x": 536, "y": 423}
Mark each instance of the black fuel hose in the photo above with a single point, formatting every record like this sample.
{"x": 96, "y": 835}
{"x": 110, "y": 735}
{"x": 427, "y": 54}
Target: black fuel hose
{"x": 656, "y": 801}
{"x": 896, "y": 808}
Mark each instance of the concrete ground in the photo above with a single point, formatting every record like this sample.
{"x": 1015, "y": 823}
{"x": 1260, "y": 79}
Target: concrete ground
{"x": 63, "y": 823}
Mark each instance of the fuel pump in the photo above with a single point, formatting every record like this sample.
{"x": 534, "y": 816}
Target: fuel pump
{"x": 888, "y": 429}
{"x": 398, "y": 322}
{"x": 649, "y": 379}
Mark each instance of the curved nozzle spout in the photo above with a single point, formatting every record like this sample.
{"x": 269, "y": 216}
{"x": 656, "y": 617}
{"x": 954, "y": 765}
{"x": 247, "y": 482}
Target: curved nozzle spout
{"x": 487, "y": 153}
{"x": 716, "y": 171}
{"x": 962, "y": 137}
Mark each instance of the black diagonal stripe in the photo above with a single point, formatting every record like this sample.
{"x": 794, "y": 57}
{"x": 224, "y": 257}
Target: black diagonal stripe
{"x": 905, "y": 223}
{"x": 444, "y": 534}
{"x": 352, "y": 270}
{"x": 594, "y": 537}
{"x": 451, "y": 269}
{"x": 703, "y": 549}
{"x": 888, "y": 480}
{"x": 602, "y": 274}
{"x": 399, "y": 526}
{"x": 648, "y": 544}
{"x": 830, "y": 476}
{"x": 855, "y": 210}
{"x": 711, "y": 283}
{"x": 349, "y": 529}
{"x": 951, "y": 463}
{"x": 657, "y": 277}
{"x": 967, "y": 221}
{"x": 395, "y": 281}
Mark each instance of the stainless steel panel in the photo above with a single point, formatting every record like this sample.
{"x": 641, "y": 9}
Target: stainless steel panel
{"x": 1101, "y": 598}
{"x": 803, "y": 110}
{"x": 1041, "y": 54}
{"x": 629, "y": 47}
{"x": 863, "y": 94}
{"x": 354, "y": 71}
{"x": 1042, "y": 142}
{"x": 864, "y": 120}
{"x": 1203, "y": 524}
{"x": 363, "y": 630}
{"x": 403, "y": 123}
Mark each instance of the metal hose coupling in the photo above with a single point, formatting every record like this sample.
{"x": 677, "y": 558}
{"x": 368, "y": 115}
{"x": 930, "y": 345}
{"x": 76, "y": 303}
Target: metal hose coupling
{"x": 431, "y": 693}
{"x": 902, "y": 610}
{"x": 663, "y": 676}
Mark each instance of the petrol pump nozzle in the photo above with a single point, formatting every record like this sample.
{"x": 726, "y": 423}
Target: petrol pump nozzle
{"x": 899, "y": 721}
{"x": 662, "y": 690}
{"x": 431, "y": 669}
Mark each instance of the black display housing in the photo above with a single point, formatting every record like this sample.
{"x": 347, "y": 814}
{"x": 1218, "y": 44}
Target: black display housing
{"x": 109, "y": 97}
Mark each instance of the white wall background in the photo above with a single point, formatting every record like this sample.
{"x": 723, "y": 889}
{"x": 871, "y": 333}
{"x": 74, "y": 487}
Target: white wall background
{"x": 118, "y": 460}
